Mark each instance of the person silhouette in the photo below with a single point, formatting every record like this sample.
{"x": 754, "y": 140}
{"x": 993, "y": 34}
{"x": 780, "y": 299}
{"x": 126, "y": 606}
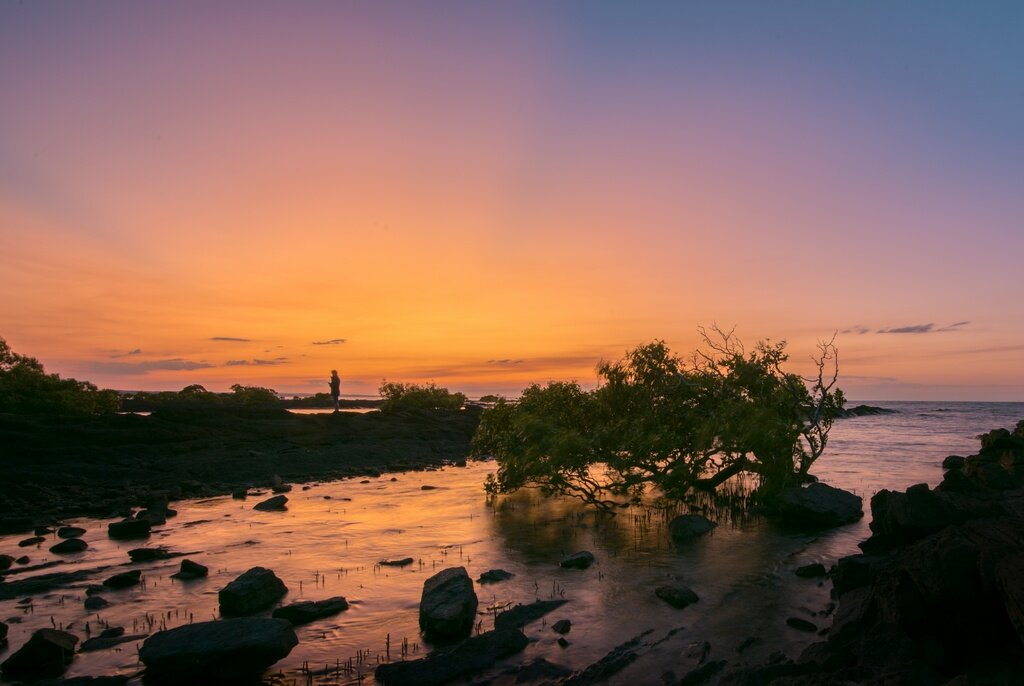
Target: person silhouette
{"x": 335, "y": 384}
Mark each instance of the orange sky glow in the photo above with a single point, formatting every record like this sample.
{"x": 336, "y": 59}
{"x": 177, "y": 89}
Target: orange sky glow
{"x": 489, "y": 196}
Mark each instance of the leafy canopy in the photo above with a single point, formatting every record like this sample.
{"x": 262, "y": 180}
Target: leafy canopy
{"x": 412, "y": 396}
{"x": 658, "y": 420}
{"x": 26, "y": 388}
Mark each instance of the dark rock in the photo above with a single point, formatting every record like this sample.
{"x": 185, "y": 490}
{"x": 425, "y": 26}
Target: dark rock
{"x": 953, "y": 462}
{"x": 123, "y": 580}
{"x": 426, "y": 487}
{"x": 562, "y": 626}
{"x": 311, "y": 610}
{"x": 811, "y": 571}
{"x": 34, "y": 540}
{"x": 447, "y": 664}
{"x": 128, "y": 529}
{"x": 5, "y": 562}
{"x": 853, "y": 571}
{"x": 154, "y": 517}
{"x": 86, "y": 681}
{"x": 677, "y": 596}
{"x": 278, "y": 502}
{"x": 540, "y": 669}
{"x": 23, "y": 560}
{"x": 819, "y": 505}
{"x": 862, "y": 411}
{"x": 70, "y": 545}
{"x": 702, "y": 674}
{"x": 96, "y": 602}
{"x": 255, "y": 590}
{"x": 109, "y": 638}
{"x": 562, "y": 642}
{"x": 282, "y": 488}
{"x": 240, "y": 493}
{"x": 580, "y": 560}
{"x": 800, "y": 624}
{"x": 521, "y": 615}
{"x": 613, "y": 662}
{"x": 150, "y": 554}
{"x": 225, "y": 650}
{"x": 492, "y": 576}
{"x": 46, "y": 654}
{"x": 3, "y": 633}
{"x": 42, "y": 530}
{"x": 190, "y": 570}
{"x": 402, "y": 562}
{"x": 15, "y": 525}
{"x": 690, "y": 526}
{"x": 70, "y": 532}
{"x": 448, "y": 605}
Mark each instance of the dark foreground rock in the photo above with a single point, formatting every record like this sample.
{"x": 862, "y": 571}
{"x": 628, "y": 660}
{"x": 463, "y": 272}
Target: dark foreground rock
{"x": 580, "y": 560}
{"x": 447, "y": 664}
{"x": 311, "y": 610}
{"x": 70, "y": 532}
{"x": 677, "y": 596}
{"x": 255, "y": 590}
{"x": 69, "y": 546}
{"x": 521, "y": 615}
{"x": 210, "y": 652}
{"x": 818, "y": 505}
{"x": 448, "y": 605}
{"x": 190, "y": 570}
{"x": 689, "y": 526}
{"x": 46, "y": 654}
{"x": 129, "y": 529}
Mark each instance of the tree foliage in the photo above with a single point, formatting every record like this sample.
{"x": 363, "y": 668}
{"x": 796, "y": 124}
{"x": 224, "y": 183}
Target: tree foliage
{"x": 411, "y": 396}
{"x": 659, "y": 420}
{"x": 26, "y": 388}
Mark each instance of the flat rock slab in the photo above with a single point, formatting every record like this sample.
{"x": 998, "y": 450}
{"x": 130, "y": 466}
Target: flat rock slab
{"x": 580, "y": 560}
{"x": 311, "y": 610}
{"x": 46, "y": 654}
{"x": 255, "y": 590}
{"x": 227, "y": 650}
{"x": 521, "y": 615}
{"x": 689, "y": 526}
{"x": 443, "y": 666}
{"x": 448, "y": 605}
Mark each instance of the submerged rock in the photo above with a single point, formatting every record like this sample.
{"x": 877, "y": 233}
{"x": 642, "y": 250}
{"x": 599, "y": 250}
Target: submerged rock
{"x": 150, "y": 554}
{"x": 677, "y": 596}
{"x": 34, "y": 540}
{"x": 689, "y": 526}
{"x": 68, "y": 546}
{"x": 123, "y": 580}
{"x": 445, "y": 665}
{"x": 278, "y": 502}
{"x": 819, "y": 505}
{"x": 401, "y": 562}
{"x": 255, "y": 590}
{"x": 226, "y": 650}
{"x": 190, "y": 570}
{"x": 70, "y": 532}
{"x": 311, "y": 610}
{"x": 448, "y": 605}
{"x": 521, "y": 615}
{"x": 562, "y": 626}
{"x": 96, "y": 602}
{"x": 109, "y": 638}
{"x": 492, "y": 576}
{"x": 580, "y": 560}
{"x": 46, "y": 654}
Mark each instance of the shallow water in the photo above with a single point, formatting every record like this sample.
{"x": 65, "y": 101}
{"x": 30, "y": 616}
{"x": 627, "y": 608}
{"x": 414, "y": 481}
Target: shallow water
{"x": 333, "y": 535}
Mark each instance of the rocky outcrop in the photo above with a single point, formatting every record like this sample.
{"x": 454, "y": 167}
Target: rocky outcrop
{"x": 227, "y": 650}
{"x": 311, "y": 610}
{"x": 445, "y": 665}
{"x": 46, "y": 654}
{"x": 255, "y": 590}
{"x": 689, "y": 526}
{"x": 818, "y": 505}
{"x": 448, "y": 605}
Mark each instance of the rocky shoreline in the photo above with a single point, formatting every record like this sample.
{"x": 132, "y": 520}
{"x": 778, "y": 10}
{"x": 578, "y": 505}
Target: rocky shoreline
{"x": 57, "y": 467}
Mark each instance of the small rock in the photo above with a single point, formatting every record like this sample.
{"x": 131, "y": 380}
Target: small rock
{"x": 676, "y": 596}
{"x": 448, "y": 605}
{"x": 282, "y": 488}
{"x": 190, "y": 570}
{"x": 562, "y": 626}
{"x": 240, "y": 493}
{"x": 690, "y": 526}
{"x": 311, "y": 610}
{"x": 108, "y": 639}
{"x": 562, "y": 642}
{"x": 123, "y": 580}
{"x": 34, "y": 540}
{"x": 278, "y": 502}
{"x": 426, "y": 487}
{"x": 580, "y": 560}
{"x": 493, "y": 576}
{"x": 521, "y": 615}
{"x": 129, "y": 528}
{"x": 255, "y": 590}
{"x": 42, "y": 530}
{"x": 46, "y": 654}
{"x": 96, "y": 602}
{"x": 149, "y": 554}
{"x": 810, "y": 571}
{"x": 70, "y": 532}
{"x": 70, "y": 545}
{"x": 819, "y": 505}
{"x": 5, "y": 562}
{"x": 800, "y": 624}
{"x": 402, "y": 562}
{"x": 23, "y": 560}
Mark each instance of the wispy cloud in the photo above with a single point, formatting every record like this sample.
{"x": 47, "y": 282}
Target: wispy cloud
{"x": 256, "y": 362}
{"x": 333, "y": 341}
{"x": 137, "y": 351}
{"x": 925, "y": 328}
{"x": 176, "y": 364}
{"x": 858, "y": 329}
{"x": 231, "y": 339}
{"x": 505, "y": 362}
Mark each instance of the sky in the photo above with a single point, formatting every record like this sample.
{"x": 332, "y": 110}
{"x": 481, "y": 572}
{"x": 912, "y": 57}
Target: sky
{"x": 486, "y": 195}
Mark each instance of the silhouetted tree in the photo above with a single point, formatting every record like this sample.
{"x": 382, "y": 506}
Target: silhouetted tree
{"x": 659, "y": 420}
{"x": 26, "y": 388}
{"x": 409, "y": 396}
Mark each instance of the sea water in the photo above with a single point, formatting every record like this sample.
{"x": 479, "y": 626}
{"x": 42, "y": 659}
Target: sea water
{"x": 333, "y": 536}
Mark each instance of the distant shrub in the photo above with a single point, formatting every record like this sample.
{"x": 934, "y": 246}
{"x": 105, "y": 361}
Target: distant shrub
{"x": 490, "y": 398}
{"x": 412, "y": 396}
{"x": 26, "y": 388}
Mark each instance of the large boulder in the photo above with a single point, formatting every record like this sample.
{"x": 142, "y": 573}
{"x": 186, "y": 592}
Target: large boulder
{"x": 445, "y": 665}
{"x": 311, "y": 610}
{"x": 225, "y": 650}
{"x": 255, "y": 590}
{"x": 46, "y": 654}
{"x": 689, "y": 526}
{"x": 819, "y": 505}
{"x": 448, "y": 605}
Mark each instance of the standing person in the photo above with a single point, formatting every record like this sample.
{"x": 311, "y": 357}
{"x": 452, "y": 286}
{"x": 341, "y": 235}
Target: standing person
{"x": 335, "y": 384}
